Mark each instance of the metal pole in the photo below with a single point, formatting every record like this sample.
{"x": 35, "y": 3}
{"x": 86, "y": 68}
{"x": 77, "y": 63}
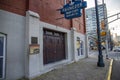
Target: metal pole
{"x": 100, "y": 62}
{"x": 106, "y": 28}
{"x": 64, "y": 2}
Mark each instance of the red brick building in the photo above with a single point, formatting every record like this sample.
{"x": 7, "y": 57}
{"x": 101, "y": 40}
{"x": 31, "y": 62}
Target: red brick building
{"x": 35, "y": 40}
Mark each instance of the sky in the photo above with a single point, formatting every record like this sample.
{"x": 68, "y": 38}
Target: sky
{"x": 113, "y": 7}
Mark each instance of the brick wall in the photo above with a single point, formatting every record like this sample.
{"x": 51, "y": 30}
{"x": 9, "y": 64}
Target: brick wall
{"x": 79, "y": 23}
{"x": 15, "y": 6}
{"x": 47, "y": 9}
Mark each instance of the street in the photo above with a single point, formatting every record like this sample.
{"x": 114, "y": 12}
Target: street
{"x": 116, "y": 64}
{"x": 115, "y": 70}
{"x": 114, "y": 55}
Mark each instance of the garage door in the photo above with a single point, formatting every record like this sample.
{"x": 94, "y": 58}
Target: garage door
{"x": 54, "y": 46}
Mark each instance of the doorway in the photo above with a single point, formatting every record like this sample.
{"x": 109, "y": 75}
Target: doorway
{"x": 54, "y": 46}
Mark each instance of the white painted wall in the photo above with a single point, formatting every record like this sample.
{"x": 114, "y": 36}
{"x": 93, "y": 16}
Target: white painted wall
{"x": 82, "y": 38}
{"x": 14, "y": 27}
{"x": 35, "y": 28}
{"x": 75, "y": 34}
{"x": 19, "y": 31}
{"x": 32, "y": 61}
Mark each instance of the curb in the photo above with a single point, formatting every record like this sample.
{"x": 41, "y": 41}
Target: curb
{"x": 110, "y": 70}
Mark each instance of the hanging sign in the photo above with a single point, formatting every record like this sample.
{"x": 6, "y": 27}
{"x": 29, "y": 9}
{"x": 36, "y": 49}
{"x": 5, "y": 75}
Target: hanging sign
{"x": 73, "y": 9}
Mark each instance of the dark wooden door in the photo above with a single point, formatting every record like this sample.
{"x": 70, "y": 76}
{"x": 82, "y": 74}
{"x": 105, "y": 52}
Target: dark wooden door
{"x": 53, "y": 46}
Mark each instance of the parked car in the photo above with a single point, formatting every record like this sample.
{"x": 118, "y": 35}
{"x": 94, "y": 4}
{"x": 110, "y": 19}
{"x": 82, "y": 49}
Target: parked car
{"x": 116, "y": 49}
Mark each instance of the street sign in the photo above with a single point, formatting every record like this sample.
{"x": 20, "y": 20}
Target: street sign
{"x": 73, "y": 9}
{"x": 103, "y": 24}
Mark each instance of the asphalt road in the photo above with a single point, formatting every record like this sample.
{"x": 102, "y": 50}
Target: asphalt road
{"x": 116, "y": 70}
{"x": 114, "y": 55}
{"x": 116, "y": 65}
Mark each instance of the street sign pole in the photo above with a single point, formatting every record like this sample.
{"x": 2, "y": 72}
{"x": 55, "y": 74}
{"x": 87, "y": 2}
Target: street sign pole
{"x": 106, "y": 28}
{"x": 100, "y": 62}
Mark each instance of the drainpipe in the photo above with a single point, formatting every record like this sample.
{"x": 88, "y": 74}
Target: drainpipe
{"x": 86, "y": 37}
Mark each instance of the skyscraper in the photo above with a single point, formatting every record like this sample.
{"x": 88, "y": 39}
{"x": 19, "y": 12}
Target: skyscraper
{"x": 91, "y": 26}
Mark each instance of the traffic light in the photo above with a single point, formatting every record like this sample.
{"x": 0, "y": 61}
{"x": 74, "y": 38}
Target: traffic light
{"x": 103, "y": 33}
{"x": 103, "y": 24}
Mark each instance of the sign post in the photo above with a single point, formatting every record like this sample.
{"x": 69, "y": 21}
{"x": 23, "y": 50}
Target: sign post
{"x": 100, "y": 56}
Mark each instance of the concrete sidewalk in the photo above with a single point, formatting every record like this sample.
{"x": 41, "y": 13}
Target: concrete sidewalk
{"x": 85, "y": 69}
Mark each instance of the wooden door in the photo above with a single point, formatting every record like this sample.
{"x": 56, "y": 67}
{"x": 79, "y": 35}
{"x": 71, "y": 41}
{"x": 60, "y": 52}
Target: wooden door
{"x": 53, "y": 46}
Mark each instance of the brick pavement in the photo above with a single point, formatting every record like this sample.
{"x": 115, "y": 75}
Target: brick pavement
{"x": 85, "y": 69}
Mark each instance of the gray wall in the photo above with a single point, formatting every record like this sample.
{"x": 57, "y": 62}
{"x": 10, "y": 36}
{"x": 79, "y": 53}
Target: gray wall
{"x": 14, "y": 26}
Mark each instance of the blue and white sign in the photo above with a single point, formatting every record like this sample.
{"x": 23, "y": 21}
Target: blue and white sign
{"x": 73, "y": 9}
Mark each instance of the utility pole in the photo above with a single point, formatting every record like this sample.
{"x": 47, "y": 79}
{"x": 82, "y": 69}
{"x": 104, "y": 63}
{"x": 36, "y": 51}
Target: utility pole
{"x": 106, "y": 29}
{"x": 100, "y": 62}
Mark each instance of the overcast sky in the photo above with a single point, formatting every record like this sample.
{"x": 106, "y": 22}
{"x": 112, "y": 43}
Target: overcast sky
{"x": 113, "y": 7}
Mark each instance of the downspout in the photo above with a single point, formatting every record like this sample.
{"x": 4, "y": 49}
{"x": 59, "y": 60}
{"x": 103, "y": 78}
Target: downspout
{"x": 26, "y": 63}
{"x": 86, "y": 37}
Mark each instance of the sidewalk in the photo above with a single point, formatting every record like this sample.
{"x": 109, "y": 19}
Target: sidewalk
{"x": 85, "y": 69}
